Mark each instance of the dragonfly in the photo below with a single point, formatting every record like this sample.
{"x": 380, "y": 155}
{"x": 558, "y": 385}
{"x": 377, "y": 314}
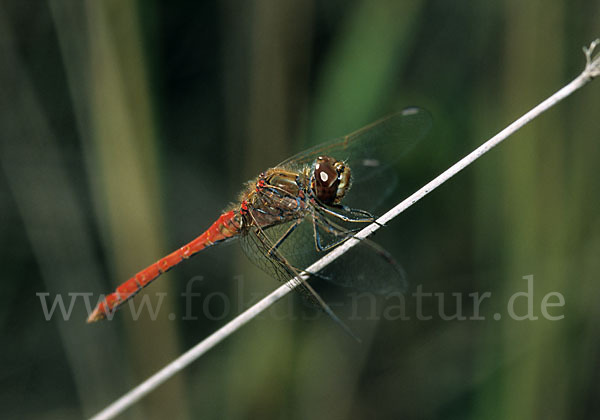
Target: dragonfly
{"x": 293, "y": 213}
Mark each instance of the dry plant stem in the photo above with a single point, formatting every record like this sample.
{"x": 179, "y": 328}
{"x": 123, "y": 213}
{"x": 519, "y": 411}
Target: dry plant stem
{"x": 591, "y": 71}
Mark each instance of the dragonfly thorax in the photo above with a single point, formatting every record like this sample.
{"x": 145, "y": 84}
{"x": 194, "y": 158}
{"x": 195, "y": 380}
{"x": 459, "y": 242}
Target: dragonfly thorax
{"x": 330, "y": 180}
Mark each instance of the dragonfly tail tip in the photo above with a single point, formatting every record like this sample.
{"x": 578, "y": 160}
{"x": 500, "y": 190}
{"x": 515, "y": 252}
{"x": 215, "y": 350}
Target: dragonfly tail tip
{"x": 95, "y": 316}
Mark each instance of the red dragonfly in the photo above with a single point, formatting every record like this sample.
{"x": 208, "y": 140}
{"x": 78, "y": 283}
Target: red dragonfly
{"x": 291, "y": 214}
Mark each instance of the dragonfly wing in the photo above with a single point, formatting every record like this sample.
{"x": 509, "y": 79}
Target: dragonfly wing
{"x": 371, "y": 153}
{"x": 278, "y": 266}
{"x": 258, "y": 246}
{"x": 374, "y": 146}
{"x": 366, "y": 267}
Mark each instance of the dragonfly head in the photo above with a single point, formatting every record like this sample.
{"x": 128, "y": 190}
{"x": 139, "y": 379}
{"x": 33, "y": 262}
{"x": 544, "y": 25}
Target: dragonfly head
{"x": 330, "y": 179}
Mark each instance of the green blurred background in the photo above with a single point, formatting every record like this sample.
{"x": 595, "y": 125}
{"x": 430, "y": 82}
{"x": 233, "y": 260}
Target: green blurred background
{"x": 126, "y": 127}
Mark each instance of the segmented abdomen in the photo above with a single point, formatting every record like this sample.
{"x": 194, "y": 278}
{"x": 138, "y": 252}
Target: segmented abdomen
{"x": 227, "y": 226}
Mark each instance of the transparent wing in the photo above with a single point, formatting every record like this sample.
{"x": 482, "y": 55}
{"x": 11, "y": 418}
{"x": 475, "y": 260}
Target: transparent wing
{"x": 373, "y": 146}
{"x": 371, "y": 152}
{"x": 365, "y": 267}
{"x": 257, "y": 246}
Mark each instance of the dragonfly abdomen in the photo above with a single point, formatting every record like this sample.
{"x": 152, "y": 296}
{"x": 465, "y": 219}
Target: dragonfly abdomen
{"x": 227, "y": 226}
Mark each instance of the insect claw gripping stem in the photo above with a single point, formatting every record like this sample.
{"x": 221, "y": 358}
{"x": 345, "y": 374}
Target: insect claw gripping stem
{"x": 378, "y": 224}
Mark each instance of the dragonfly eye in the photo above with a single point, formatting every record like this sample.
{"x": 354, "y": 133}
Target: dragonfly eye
{"x": 331, "y": 180}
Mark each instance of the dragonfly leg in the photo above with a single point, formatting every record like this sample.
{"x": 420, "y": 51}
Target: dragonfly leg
{"x": 273, "y": 254}
{"x": 277, "y": 244}
{"x": 325, "y": 224}
{"x": 345, "y": 218}
{"x": 333, "y": 228}
{"x": 361, "y": 216}
{"x": 367, "y": 217}
{"x": 338, "y": 230}
{"x": 300, "y": 282}
{"x": 365, "y": 214}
